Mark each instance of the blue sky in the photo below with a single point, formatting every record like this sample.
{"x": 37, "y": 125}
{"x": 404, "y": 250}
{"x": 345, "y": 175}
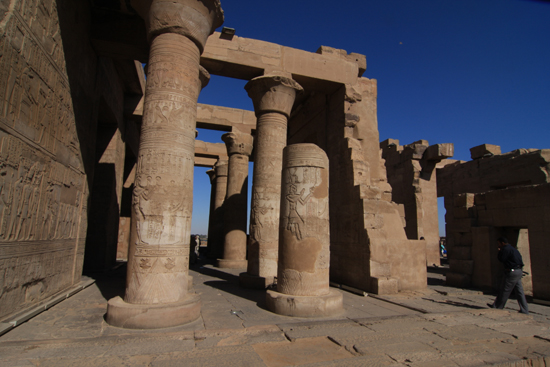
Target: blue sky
{"x": 467, "y": 72}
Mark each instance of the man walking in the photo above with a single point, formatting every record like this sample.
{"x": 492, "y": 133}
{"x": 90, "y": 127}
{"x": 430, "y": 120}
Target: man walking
{"x": 513, "y": 264}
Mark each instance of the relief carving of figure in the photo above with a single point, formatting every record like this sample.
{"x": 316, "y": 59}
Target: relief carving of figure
{"x": 256, "y": 212}
{"x": 295, "y": 221}
{"x": 140, "y": 194}
{"x": 167, "y": 115}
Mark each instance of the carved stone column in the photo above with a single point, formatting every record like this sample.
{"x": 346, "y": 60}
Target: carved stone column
{"x": 304, "y": 238}
{"x": 215, "y": 249}
{"x": 239, "y": 148}
{"x": 158, "y": 263}
{"x": 212, "y": 175}
{"x": 273, "y": 97}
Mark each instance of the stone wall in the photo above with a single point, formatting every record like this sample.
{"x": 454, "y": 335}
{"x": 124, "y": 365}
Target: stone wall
{"x": 491, "y": 196}
{"x": 411, "y": 173}
{"x": 54, "y": 89}
{"x": 43, "y": 182}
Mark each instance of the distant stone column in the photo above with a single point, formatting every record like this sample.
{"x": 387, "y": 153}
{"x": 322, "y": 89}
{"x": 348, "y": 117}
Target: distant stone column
{"x": 216, "y": 248}
{"x": 239, "y": 148}
{"x": 273, "y": 97}
{"x": 158, "y": 263}
{"x": 212, "y": 175}
{"x": 304, "y": 238}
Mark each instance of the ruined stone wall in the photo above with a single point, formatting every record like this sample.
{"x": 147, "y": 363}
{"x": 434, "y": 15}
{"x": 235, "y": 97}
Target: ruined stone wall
{"x": 499, "y": 195}
{"x": 369, "y": 249}
{"x": 411, "y": 171}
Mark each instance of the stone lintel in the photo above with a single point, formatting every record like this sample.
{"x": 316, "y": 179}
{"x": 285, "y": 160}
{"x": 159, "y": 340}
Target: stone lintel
{"x": 484, "y": 150}
{"x": 225, "y": 118}
{"x": 245, "y": 58}
{"x": 438, "y": 152}
{"x": 210, "y": 150}
{"x": 205, "y": 162}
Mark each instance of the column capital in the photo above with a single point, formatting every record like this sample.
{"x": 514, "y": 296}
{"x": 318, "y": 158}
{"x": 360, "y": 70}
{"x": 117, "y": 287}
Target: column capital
{"x": 221, "y": 167}
{"x": 273, "y": 93}
{"x": 193, "y": 19}
{"x": 211, "y": 174}
{"x": 238, "y": 143}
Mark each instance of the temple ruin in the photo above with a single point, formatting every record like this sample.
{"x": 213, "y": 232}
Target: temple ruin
{"x": 97, "y": 157}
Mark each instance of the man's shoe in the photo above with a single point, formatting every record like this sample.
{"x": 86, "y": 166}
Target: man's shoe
{"x": 491, "y": 305}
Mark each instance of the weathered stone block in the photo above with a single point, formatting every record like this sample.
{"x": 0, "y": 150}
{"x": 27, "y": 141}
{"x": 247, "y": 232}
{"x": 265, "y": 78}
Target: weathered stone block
{"x": 460, "y": 253}
{"x": 462, "y": 225}
{"x": 438, "y": 152}
{"x": 484, "y": 150}
{"x": 458, "y": 280}
{"x": 384, "y": 285}
{"x": 464, "y": 200}
{"x": 461, "y": 266}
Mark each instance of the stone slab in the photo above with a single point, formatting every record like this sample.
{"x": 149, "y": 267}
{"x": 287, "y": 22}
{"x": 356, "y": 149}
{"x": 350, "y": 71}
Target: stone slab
{"x": 300, "y": 352}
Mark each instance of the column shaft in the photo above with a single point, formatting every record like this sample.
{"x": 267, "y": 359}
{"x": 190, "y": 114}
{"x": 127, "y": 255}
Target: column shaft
{"x": 266, "y": 194}
{"x": 216, "y": 246}
{"x": 163, "y": 196}
{"x": 239, "y": 148}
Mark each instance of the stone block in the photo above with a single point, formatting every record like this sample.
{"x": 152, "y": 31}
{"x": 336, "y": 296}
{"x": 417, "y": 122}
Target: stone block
{"x": 464, "y": 200}
{"x": 384, "y": 285}
{"x": 460, "y": 253}
{"x": 461, "y": 266}
{"x": 389, "y": 143}
{"x": 438, "y": 152}
{"x": 462, "y": 224}
{"x": 484, "y": 150}
{"x": 461, "y": 212}
{"x": 480, "y": 199}
{"x": 458, "y": 280}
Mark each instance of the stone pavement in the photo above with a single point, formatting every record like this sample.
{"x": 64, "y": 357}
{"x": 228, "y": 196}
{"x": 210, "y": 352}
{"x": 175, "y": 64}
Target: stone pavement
{"x": 440, "y": 326}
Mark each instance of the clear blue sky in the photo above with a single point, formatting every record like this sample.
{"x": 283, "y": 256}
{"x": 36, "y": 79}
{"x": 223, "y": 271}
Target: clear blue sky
{"x": 467, "y": 72}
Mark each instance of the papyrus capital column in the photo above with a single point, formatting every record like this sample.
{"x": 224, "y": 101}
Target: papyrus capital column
{"x": 273, "y": 97}
{"x": 239, "y": 147}
{"x": 157, "y": 292}
{"x": 304, "y": 237}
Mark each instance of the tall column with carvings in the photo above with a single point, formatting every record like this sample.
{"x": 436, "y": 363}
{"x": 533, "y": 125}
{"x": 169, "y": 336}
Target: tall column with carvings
{"x": 158, "y": 263}
{"x": 215, "y": 243}
{"x": 304, "y": 238}
{"x": 239, "y": 148}
{"x": 273, "y": 97}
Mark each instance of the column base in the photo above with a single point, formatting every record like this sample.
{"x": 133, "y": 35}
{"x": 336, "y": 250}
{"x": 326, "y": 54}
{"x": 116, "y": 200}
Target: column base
{"x": 232, "y": 264}
{"x": 254, "y": 281}
{"x": 305, "y": 306}
{"x": 156, "y": 316}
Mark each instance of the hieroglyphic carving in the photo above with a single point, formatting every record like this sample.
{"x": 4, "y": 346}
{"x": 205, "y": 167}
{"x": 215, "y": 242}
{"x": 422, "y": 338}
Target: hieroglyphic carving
{"x": 31, "y": 204}
{"x": 33, "y": 81}
{"x": 42, "y": 184}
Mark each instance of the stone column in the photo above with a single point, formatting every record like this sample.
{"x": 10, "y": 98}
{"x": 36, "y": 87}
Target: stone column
{"x": 239, "y": 148}
{"x": 158, "y": 263}
{"x": 216, "y": 247}
{"x": 304, "y": 238}
{"x": 212, "y": 175}
{"x": 273, "y": 97}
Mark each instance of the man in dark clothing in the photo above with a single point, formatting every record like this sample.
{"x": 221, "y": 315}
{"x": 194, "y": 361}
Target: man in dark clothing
{"x": 513, "y": 264}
